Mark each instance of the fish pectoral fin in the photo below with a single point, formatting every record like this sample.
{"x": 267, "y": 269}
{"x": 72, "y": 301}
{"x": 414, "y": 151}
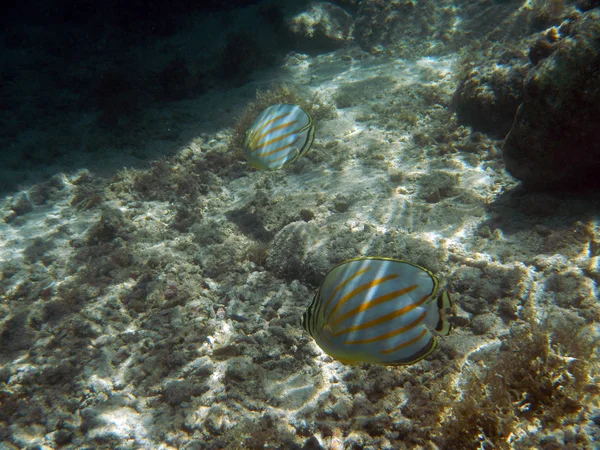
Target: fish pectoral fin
{"x": 443, "y": 302}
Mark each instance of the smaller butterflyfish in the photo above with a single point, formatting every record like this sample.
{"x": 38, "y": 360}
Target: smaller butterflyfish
{"x": 378, "y": 310}
{"x": 279, "y": 136}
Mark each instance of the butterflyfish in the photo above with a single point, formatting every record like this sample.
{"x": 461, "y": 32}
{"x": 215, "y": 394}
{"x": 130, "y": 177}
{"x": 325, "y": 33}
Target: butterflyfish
{"x": 378, "y": 310}
{"x": 279, "y": 136}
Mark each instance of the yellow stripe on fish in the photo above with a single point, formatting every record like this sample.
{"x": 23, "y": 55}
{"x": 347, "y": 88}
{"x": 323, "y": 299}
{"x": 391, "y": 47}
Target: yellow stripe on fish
{"x": 378, "y": 310}
{"x": 280, "y": 135}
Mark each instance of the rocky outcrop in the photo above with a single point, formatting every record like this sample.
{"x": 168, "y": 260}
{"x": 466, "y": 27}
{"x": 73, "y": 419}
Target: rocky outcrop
{"x": 403, "y": 27}
{"x": 488, "y": 97}
{"x": 555, "y": 139}
{"x": 320, "y": 28}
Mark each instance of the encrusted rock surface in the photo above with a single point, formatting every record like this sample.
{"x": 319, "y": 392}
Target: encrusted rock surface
{"x": 555, "y": 139}
{"x": 488, "y": 98}
{"x": 323, "y": 26}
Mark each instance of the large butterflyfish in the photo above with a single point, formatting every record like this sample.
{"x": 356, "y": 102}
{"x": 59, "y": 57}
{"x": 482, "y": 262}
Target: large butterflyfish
{"x": 378, "y": 310}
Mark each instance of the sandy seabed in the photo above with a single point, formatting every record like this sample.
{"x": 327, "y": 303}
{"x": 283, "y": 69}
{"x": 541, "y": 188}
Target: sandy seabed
{"x": 161, "y": 308}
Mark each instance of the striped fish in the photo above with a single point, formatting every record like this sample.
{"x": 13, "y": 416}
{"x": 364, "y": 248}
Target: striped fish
{"x": 378, "y": 310}
{"x": 280, "y": 135}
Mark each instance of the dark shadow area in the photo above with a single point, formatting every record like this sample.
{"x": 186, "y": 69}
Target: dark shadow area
{"x": 151, "y": 13}
{"x": 103, "y": 88}
{"x": 522, "y": 209}
{"x": 250, "y": 224}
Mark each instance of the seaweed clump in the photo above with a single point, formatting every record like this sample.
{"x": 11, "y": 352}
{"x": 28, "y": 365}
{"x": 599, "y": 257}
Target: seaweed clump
{"x": 541, "y": 375}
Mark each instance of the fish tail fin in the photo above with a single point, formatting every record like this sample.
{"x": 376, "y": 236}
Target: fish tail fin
{"x": 443, "y": 302}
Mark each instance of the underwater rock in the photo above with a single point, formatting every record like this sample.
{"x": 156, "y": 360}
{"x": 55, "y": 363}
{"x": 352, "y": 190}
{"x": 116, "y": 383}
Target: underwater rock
{"x": 488, "y": 97}
{"x": 555, "y": 137}
{"x": 585, "y": 5}
{"x": 292, "y": 254}
{"x": 544, "y": 46}
{"x": 322, "y": 27}
{"x": 176, "y": 392}
{"x": 405, "y": 27}
{"x": 438, "y": 185}
{"x": 20, "y": 205}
